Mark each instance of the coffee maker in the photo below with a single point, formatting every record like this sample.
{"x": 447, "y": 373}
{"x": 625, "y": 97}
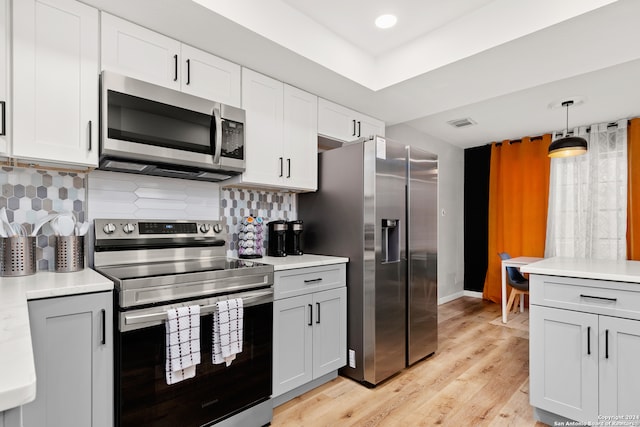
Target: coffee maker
{"x": 294, "y": 237}
{"x": 277, "y": 236}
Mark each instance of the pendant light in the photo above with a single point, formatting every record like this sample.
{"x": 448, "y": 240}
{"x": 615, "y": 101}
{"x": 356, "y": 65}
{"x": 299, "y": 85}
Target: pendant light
{"x": 569, "y": 145}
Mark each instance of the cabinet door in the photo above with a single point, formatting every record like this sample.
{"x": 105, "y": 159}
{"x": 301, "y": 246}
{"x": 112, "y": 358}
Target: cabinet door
{"x": 563, "y": 362}
{"x": 73, "y": 353}
{"x": 292, "y": 342}
{"x": 368, "y": 126}
{"x": 55, "y": 77}
{"x": 329, "y": 331}
{"x": 262, "y": 99}
{"x": 336, "y": 121}
{"x": 140, "y": 53}
{"x": 300, "y": 139}
{"x": 208, "y": 76}
{"x": 619, "y": 373}
{"x": 4, "y": 78}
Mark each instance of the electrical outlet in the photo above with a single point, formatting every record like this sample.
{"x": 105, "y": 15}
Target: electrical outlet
{"x": 352, "y": 358}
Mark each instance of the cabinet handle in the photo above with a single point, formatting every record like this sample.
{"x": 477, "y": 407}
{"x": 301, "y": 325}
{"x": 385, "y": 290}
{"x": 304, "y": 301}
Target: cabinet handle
{"x": 602, "y": 298}
{"x": 175, "y": 68}
{"x": 588, "y": 339}
{"x": 288, "y": 168}
{"x": 281, "y": 166}
{"x": 4, "y": 118}
{"x": 188, "y": 71}
{"x": 319, "y": 279}
{"x": 90, "y": 132}
{"x": 104, "y": 327}
{"x": 354, "y": 127}
{"x": 606, "y": 344}
{"x": 310, "y": 315}
{"x": 359, "y": 123}
{"x": 318, "y": 316}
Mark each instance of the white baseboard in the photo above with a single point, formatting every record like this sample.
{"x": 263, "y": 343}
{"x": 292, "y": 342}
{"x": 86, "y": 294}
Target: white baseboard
{"x": 472, "y": 294}
{"x": 451, "y": 297}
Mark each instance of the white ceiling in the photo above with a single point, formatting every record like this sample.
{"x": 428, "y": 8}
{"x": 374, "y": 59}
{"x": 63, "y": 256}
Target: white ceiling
{"x": 500, "y": 62}
{"x": 353, "y": 20}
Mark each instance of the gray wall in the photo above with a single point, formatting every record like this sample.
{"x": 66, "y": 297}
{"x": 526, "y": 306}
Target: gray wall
{"x": 450, "y": 200}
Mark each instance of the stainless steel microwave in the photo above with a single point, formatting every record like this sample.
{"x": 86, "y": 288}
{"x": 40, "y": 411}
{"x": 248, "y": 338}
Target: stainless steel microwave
{"x": 153, "y": 130}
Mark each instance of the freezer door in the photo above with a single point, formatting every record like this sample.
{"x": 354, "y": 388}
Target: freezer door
{"x": 389, "y": 235}
{"x": 422, "y": 238}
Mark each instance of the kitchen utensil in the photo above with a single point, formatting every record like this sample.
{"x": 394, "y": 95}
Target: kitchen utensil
{"x": 19, "y": 229}
{"x": 82, "y": 230}
{"x": 6, "y": 225}
{"x": 64, "y": 225}
{"x": 41, "y": 222}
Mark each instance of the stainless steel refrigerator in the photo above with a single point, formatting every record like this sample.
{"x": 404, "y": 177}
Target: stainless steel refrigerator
{"x": 377, "y": 204}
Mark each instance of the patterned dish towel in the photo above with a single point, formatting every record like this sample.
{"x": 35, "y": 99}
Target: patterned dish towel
{"x": 227, "y": 330}
{"x": 182, "y": 343}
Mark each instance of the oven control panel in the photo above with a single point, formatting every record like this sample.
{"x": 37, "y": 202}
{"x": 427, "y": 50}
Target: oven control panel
{"x": 138, "y": 228}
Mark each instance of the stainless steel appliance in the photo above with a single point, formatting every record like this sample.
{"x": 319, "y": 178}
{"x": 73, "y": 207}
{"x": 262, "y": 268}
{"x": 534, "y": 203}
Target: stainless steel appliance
{"x": 153, "y": 130}
{"x": 157, "y": 265}
{"x": 377, "y": 204}
{"x": 293, "y": 238}
{"x": 277, "y": 238}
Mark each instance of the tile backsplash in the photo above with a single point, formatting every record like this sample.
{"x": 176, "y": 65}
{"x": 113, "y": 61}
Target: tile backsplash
{"x": 122, "y": 195}
{"x": 126, "y": 195}
{"x": 238, "y": 203}
{"x": 31, "y": 194}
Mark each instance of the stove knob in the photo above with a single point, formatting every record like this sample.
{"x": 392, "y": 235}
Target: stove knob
{"x": 217, "y": 228}
{"x": 129, "y": 228}
{"x": 204, "y": 228}
{"x": 109, "y": 228}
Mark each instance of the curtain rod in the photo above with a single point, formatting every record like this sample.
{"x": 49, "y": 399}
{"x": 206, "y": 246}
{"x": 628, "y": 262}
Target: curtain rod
{"x": 537, "y": 138}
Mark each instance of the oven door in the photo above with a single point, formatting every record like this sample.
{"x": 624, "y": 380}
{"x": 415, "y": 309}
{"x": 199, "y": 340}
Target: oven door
{"x": 143, "y": 397}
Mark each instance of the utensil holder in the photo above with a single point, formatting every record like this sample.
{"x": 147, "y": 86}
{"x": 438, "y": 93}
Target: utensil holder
{"x": 18, "y": 256}
{"x": 69, "y": 253}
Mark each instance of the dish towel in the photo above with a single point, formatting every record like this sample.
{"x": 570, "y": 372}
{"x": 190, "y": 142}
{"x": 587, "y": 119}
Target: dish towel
{"x": 227, "y": 331}
{"x": 182, "y": 343}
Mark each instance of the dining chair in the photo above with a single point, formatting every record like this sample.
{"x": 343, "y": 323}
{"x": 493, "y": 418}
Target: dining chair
{"x": 517, "y": 281}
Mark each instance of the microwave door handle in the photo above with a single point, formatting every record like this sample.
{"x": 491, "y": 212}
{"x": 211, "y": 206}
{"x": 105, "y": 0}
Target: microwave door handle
{"x": 216, "y": 137}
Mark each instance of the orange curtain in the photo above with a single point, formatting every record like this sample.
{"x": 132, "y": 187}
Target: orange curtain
{"x": 518, "y": 198}
{"x": 633, "y": 190}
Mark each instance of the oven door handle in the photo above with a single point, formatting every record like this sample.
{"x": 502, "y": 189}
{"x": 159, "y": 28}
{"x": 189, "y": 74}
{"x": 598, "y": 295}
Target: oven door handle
{"x": 248, "y": 299}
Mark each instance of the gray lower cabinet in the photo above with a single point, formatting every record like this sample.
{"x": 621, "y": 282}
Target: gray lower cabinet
{"x": 73, "y": 351}
{"x": 584, "y": 345}
{"x": 309, "y": 331}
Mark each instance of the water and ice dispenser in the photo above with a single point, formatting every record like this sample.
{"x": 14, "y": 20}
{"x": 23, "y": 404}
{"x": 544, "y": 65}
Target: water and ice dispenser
{"x": 390, "y": 240}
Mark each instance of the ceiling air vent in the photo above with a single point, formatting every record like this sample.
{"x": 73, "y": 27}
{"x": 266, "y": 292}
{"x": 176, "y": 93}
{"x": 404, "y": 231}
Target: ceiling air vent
{"x": 460, "y": 123}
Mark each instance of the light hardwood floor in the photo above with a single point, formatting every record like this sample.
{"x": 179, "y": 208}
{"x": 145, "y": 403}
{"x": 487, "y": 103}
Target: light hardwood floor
{"x": 479, "y": 376}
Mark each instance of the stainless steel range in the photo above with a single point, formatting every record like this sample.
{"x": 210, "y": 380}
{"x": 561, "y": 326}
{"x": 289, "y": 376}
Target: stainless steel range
{"x": 157, "y": 265}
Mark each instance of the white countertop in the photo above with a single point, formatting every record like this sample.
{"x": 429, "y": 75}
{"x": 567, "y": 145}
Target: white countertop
{"x": 17, "y": 370}
{"x": 618, "y": 271}
{"x": 300, "y": 261}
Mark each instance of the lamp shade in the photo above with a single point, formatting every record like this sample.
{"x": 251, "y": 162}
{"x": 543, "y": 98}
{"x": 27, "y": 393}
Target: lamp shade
{"x": 568, "y": 146}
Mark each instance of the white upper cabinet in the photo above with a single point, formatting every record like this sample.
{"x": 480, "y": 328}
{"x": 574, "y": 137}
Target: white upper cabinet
{"x": 281, "y": 134}
{"x": 338, "y": 122}
{"x": 4, "y": 79}
{"x": 55, "y": 82}
{"x": 263, "y": 102}
{"x": 208, "y": 76}
{"x": 300, "y": 147}
{"x": 143, "y": 54}
{"x": 139, "y": 53}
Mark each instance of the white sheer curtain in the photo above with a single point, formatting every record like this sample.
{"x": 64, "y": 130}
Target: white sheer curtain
{"x": 587, "y": 215}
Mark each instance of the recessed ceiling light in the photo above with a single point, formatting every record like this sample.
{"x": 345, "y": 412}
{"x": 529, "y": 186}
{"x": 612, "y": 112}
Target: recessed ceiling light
{"x": 386, "y": 21}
